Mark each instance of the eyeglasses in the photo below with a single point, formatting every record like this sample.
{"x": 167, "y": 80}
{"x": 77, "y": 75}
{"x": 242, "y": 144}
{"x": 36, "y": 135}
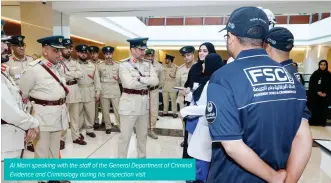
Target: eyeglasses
{"x": 226, "y": 36}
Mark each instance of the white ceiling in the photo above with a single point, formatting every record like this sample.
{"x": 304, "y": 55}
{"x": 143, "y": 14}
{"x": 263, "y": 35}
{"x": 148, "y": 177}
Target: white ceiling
{"x": 82, "y": 12}
{"x": 183, "y": 7}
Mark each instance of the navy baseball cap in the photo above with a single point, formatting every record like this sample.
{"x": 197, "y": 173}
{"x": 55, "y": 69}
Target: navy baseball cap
{"x": 280, "y": 38}
{"x": 245, "y": 18}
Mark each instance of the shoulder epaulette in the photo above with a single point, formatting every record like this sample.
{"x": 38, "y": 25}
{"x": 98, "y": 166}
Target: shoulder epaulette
{"x": 35, "y": 62}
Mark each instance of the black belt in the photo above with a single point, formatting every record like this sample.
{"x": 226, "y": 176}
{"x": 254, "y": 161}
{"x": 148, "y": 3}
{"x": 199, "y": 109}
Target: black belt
{"x": 48, "y": 102}
{"x": 136, "y": 92}
{"x": 153, "y": 88}
{"x": 73, "y": 82}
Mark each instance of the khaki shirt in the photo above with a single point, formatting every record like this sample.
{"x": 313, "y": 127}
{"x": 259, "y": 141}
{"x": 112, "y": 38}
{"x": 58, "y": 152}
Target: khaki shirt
{"x": 97, "y": 62}
{"x": 36, "y": 82}
{"x": 132, "y": 104}
{"x": 160, "y": 72}
{"x": 89, "y": 84}
{"x": 181, "y": 78}
{"x": 17, "y": 66}
{"x": 109, "y": 85}
{"x": 170, "y": 78}
{"x": 72, "y": 71}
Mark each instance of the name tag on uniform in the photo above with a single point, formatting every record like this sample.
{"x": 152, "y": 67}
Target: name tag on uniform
{"x": 17, "y": 76}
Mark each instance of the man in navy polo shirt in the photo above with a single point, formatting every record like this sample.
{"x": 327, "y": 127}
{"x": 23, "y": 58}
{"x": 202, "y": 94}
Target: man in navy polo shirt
{"x": 249, "y": 102}
{"x": 278, "y": 44}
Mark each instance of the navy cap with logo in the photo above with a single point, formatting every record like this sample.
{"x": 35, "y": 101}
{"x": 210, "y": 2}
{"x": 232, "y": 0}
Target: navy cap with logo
{"x": 94, "y": 49}
{"x": 67, "y": 42}
{"x": 187, "y": 49}
{"x": 53, "y": 41}
{"x": 108, "y": 49}
{"x": 280, "y": 38}
{"x": 17, "y": 40}
{"x": 138, "y": 43}
{"x": 243, "y": 19}
{"x": 170, "y": 57}
{"x": 150, "y": 52}
{"x": 4, "y": 37}
{"x": 81, "y": 48}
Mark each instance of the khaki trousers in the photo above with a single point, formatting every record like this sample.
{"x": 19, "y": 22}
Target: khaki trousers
{"x": 181, "y": 106}
{"x": 166, "y": 102}
{"x": 47, "y": 145}
{"x": 87, "y": 115}
{"x": 154, "y": 108}
{"x": 127, "y": 123}
{"x": 75, "y": 123}
{"x": 105, "y": 105}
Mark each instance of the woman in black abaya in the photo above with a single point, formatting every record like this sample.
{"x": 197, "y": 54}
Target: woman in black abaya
{"x": 319, "y": 94}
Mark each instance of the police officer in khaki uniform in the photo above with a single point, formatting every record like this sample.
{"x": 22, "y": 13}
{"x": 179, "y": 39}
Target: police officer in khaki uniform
{"x": 110, "y": 90}
{"x": 14, "y": 120}
{"x": 181, "y": 77}
{"x": 18, "y": 61}
{"x": 170, "y": 70}
{"x": 94, "y": 58}
{"x": 154, "y": 92}
{"x": 72, "y": 72}
{"x": 136, "y": 74}
{"x": 90, "y": 88}
{"x": 182, "y": 73}
{"x": 43, "y": 84}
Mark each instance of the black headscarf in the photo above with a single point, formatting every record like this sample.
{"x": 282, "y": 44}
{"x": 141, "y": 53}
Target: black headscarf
{"x": 213, "y": 63}
{"x": 325, "y": 78}
{"x": 195, "y": 72}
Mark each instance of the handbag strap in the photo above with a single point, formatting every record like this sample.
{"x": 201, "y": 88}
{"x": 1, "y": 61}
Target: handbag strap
{"x": 55, "y": 77}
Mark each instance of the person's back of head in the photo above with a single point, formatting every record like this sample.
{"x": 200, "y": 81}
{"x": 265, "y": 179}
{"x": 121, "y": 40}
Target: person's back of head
{"x": 279, "y": 43}
{"x": 246, "y": 29}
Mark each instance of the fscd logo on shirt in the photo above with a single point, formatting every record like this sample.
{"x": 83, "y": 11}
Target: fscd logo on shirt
{"x": 263, "y": 75}
{"x": 211, "y": 112}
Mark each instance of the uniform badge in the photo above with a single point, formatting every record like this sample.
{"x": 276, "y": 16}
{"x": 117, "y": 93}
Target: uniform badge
{"x": 211, "y": 112}
{"x": 184, "y": 49}
{"x": 49, "y": 64}
{"x": 144, "y": 41}
{"x": 3, "y": 68}
{"x": 20, "y": 38}
{"x": 108, "y": 48}
{"x": 68, "y": 41}
{"x": 60, "y": 40}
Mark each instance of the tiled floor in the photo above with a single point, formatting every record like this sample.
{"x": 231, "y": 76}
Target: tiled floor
{"x": 105, "y": 146}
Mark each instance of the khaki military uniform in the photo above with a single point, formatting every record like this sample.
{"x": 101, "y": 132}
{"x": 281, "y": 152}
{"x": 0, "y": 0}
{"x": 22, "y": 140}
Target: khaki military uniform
{"x": 89, "y": 86}
{"x": 134, "y": 105}
{"x": 17, "y": 66}
{"x": 181, "y": 78}
{"x": 97, "y": 103}
{"x": 110, "y": 91}
{"x": 51, "y": 111}
{"x": 167, "y": 90}
{"x": 72, "y": 71}
{"x": 154, "y": 94}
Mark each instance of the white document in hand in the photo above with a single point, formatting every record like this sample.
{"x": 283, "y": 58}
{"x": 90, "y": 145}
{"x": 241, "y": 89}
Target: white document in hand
{"x": 188, "y": 97}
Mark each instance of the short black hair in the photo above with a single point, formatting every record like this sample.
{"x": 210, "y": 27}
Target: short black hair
{"x": 250, "y": 41}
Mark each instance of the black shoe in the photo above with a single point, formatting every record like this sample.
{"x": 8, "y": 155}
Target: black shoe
{"x": 108, "y": 131}
{"x": 175, "y": 115}
{"x": 79, "y": 141}
{"x": 96, "y": 126}
{"x": 92, "y": 134}
{"x": 182, "y": 144}
{"x": 30, "y": 147}
{"x": 157, "y": 119}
